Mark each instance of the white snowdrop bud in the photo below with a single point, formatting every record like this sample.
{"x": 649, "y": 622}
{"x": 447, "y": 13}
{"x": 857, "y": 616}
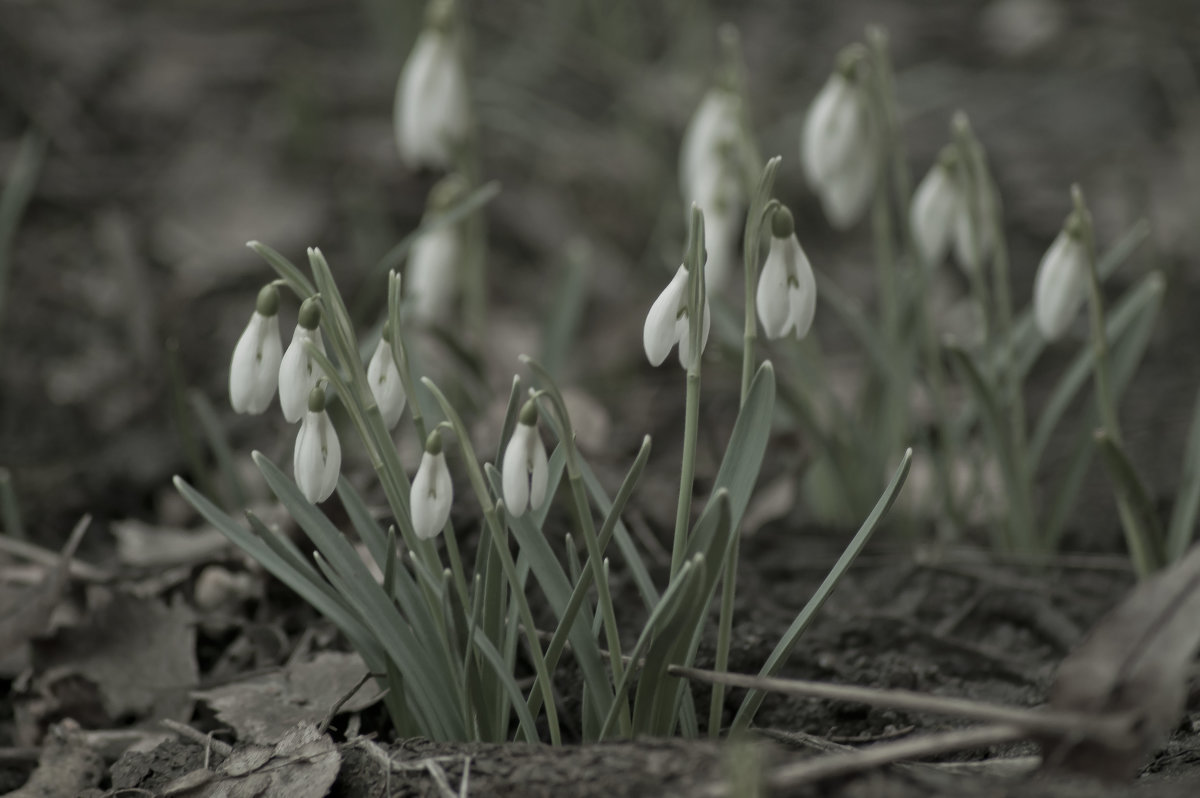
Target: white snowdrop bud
{"x": 298, "y": 374}
{"x": 667, "y": 322}
{"x": 432, "y": 490}
{"x": 524, "y": 472}
{"x": 432, "y": 113}
{"x": 787, "y": 289}
{"x": 384, "y": 380}
{"x": 318, "y": 456}
{"x": 1062, "y": 279}
{"x": 254, "y": 372}
{"x": 935, "y": 207}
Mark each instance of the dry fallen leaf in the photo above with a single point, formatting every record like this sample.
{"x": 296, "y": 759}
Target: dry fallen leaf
{"x": 1136, "y": 661}
{"x": 67, "y": 766}
{"x": 30, "y": 614}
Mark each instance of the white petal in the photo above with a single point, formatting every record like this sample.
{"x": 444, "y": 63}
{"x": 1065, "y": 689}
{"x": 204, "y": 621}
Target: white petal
{"x": 848, "y": 192}
{"x": 384, "y": 380}
{"x": 431, "y": 496}
{"x": 802, "y": 297}
{"x": 832, "y": 130}
{"x": 964, "y": 231}
{"x": 432, "y": 114}
{"x": 933, "y": 213}
{"x": 1060, "y": 286}
{"x": 433, "y": 274}
{"x": 538, "y": 473}
{"x": 660, "y": 332}
{"x": 715, "y": 123}
{"x": 254, "y": 372}
{"x": 318, "y": 457}
{"x": 724, "y": 217}
{"x": 771, "y": 299}
{"x": 298, "y": 374}
{"x": 685, "y": 346}
{"x": 514, "y": 471}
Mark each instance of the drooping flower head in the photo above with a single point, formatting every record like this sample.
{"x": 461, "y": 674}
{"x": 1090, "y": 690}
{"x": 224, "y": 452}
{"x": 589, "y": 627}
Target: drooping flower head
{"x": 667, "y": 322}
{"x": 384, "y": 380}
{"x": 839, "y": 147}
{"x": 787, "y": 289}
{"x": 318, "y": 455}
{"x": 1062, "y": 280}
{"x": 298, "y": 373}
{"x": 524, "y": 471}
{"x": 254, "y": 372}
{"x": 432, "y": 490}
{"x": 432, "y": 111}
{"x": 935, "y": 208}
{"x": 433, "y": 264}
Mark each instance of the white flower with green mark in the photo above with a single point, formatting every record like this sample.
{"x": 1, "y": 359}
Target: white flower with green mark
{"x": 254, "y": 373}
{"x": 787, "y": 289}
{"x": 298, "y": 373}
{"x": 432, "y": 112}
{"x": 667, "y": 323}
{"x": 318, "y": 456}
{"x": 384, "y": 380}
{"x": 1062, "y": 281}
{"x": 524, "y": 472}
{"x": 432, "y": 490}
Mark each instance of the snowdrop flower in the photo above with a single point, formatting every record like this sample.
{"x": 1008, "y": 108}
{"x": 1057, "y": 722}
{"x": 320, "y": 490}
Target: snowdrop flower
{"x": 298, "y": 374}
{"x": 384, "y": 379}
{"x": 432, "y": 115}
{"x": 1062, "y": 280}
{"x": 936, "y": 205}
{"x": 255, "y": 369}
{"x": 667, "y": 323}
{"x": 318, "y": 456}
{"x": 433, "y": 263}
{"x": 966, "y": 249}
{"x": 711, "y": 134}
{"x": 719, "y": 195}
{"x": 838, "y": 148}
{"x": 787, "y": 290}
{"x": 524, "y": 472}
{"x": 432, "y": 491}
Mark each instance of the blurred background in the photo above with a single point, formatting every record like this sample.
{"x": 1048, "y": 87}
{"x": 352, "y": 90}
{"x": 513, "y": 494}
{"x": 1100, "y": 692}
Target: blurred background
{"x": 175, "y": 130}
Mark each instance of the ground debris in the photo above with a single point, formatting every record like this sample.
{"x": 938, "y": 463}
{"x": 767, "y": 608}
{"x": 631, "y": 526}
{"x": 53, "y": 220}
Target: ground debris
{"x": 67, "y": 766}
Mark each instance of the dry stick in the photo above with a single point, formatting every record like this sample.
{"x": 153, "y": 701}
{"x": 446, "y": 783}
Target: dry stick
{"x": 1113, "y": 729}
{"x": 207, "y": 740}
{"x": 817, "y": 768}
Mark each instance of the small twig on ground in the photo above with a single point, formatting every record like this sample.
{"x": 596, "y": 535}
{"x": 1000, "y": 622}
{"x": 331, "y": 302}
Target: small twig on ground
{"x": 196, "y": 736}
{"x": 341, "y": 702}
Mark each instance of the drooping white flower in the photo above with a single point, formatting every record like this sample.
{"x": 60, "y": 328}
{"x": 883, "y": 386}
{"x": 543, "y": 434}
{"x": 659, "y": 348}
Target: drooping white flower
{"x": 524, "y": 472}
{"x": 298, "y": 373}
{"x": 384, "y": 380}
{"x": 432, "y": 113}
{"x": 1062, "y": 280}
{"x": 254, "y": 372}
{"x": 711, "y": 135}
{"x": 966, "y": 249}
{"x": 838, "y": 147}
{"x": 433, "y": 273}
{"x": 318, "y": 456}
{"x": 667, "y": 323}
{"x": 787, "y": 289}
{"x": 719, "y": 195}
{"x": 935, "y": 208}
{"x": 432, "y": 490}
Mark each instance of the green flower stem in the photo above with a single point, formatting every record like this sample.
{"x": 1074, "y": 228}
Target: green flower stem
{"x": 400, "y": 354}
{"x": 500, "y": 547}
{"x": 1138, "y": 537}
{"x": 691, "y": 420}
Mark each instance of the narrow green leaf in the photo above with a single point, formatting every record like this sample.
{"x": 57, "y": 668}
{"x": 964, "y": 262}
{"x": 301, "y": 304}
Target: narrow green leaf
{"x": 214, "y": 433}
{"x": 1187, "y": 500}
{"x": 1146, "y": 548}
{"x": 504, "y": 677}
{"x": 301, "y": 286}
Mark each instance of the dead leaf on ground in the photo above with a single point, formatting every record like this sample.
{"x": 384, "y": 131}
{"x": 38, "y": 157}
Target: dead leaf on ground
{"x": 67, "y": 766}
{"x": 303, "y": 764}
{"x": 1137, "y": 661}
{"x": 264, "y": 708}
{"x": 151, "y": 546}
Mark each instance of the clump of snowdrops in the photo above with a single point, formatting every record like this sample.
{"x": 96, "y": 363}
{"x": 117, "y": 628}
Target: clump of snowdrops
{"x": 446, "y": 641}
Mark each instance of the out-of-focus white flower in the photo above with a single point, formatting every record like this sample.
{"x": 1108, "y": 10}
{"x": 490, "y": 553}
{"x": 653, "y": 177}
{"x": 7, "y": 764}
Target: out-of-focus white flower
{"x": 384, "y": 379}
{"x": 254, "y": 372}
{"x": 1062, "y": 281}
{"x": 838, "y": 148}
{"x": 298, "y": 373}
{"x": 667, "y": 323}
{"x": 711, "y": 135}
{"x": 787, "y": 289}
{"x": 433, "y": 273}
{"x": 524, "y": 474}
{"x": 432, "y": 490}
{"x": 719, "y": 195}
{"x": 432, "y": 114}
{"x": 966, "y": 250}
{"x": 935, "y": 208}
{"x": 318, "y": 455}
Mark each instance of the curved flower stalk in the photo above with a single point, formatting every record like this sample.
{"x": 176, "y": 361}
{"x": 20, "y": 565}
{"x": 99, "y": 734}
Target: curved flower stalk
{"x": 432, "y": 490}
{"x": 254, "y": 372}
{"x": 318, "y": 455}
{"x": 384, "y": 380}
{"x": 1062, "y": 281}
{"x": 787, "y": 290}
{"x": 839, "y": 147}
{"x": 432, "y": 111}
{"x": 298, "y": 374}
{"x": 434, "y": 261}
{"x": 524, "y": 471}
{"x": 667, "y": 323}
